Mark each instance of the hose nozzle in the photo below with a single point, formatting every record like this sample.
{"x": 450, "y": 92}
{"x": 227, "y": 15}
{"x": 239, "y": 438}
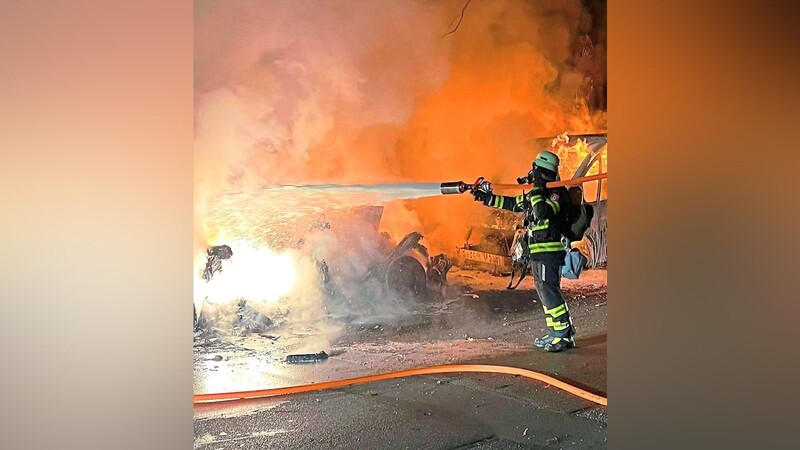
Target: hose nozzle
{"x": 454, "y": 187}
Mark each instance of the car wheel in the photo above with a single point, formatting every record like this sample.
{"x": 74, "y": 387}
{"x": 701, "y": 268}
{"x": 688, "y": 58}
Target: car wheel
{"x": 406, "y": 277}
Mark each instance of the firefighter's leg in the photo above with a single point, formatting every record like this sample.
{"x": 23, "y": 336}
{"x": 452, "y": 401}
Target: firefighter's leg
{"x": 547, "y": 277}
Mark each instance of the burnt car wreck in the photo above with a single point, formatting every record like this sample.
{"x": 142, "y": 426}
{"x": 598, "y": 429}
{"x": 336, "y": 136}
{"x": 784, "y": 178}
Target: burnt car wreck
{"x": 402, "y": 274}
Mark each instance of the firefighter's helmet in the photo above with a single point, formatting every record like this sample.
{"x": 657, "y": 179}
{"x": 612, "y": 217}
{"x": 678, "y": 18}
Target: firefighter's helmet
{"x": 547, "y": 160}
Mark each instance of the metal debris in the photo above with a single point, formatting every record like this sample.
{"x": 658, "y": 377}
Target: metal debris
{"x": 249, "y": 320}
{"x": 307, "y": 358}
{"x": 438, "y": 266}
{"x": 214, "y": 257}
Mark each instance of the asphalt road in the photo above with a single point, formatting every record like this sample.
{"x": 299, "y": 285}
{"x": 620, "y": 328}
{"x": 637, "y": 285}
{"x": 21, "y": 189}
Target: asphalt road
{"x": 487, "y": 325}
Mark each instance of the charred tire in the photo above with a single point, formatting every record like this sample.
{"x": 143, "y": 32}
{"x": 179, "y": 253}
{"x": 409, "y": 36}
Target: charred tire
{"x": 406, "y": 277}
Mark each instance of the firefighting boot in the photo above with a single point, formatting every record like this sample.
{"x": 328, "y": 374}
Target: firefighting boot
{"x": 558, "y": 344}
{"x": 555, "y": 343}
{"x": 542, "y": 341}
{"x": 561, "y": 332}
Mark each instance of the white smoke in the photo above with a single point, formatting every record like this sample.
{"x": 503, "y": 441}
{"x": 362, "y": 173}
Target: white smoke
{"x": 351, "y": 91}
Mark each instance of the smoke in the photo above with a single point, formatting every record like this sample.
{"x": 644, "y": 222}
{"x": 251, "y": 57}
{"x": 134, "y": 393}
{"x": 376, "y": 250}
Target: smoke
{"x": 355, "y": 92}
{"x": 260, "y": 290}
{"x": 371, "y": 92}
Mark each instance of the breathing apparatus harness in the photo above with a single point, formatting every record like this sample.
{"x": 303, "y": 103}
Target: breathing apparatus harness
{"x": 520, "y": 255}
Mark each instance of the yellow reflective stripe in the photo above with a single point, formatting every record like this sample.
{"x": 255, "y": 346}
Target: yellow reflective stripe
{"x": 553, "y": 323}
{"x": 502, "y": 202}
{"x": 536, "y": 199}
{"x": 520, "y": 198}
{"x": 544, "y": 225}
{"x": 546, "y": 247}
{"x": 556, "y": 340}
{"x": 553, "y": 205}
{"x": 557, "y": 326}
{"x": 558, "y": 311}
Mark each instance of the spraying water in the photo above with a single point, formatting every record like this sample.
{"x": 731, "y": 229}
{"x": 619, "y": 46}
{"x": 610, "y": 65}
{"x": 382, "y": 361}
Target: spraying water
{"x": 358, "y": 193}
{"x": 273, "y": 216}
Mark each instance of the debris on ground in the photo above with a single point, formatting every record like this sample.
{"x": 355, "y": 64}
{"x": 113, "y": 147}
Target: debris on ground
{"x": 248, "y": 319}
{"x": 307, "y": 357}
{"x": 438, "y": 266}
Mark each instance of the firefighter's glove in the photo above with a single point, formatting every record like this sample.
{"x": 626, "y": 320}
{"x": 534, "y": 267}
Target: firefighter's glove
{"x": 482, "y": 192}
{"x": 481, "y": 196}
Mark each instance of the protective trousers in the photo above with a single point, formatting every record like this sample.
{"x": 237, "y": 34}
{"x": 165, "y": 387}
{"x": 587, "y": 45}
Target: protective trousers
{"x": 547, "y": 278}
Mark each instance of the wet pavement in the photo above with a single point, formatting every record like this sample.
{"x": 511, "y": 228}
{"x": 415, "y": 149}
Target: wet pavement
{"x": 478, "y": 321}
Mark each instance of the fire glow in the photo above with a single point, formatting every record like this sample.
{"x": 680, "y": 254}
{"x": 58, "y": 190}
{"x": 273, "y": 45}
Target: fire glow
{"x": 572, "y": 152}
{"x": 253, "y": 274}
{"x": 309, "y": 93}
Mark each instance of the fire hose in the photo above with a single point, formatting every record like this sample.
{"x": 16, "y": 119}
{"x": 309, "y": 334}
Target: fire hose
{"x": 459, "y": 187}
{"x": 457, "y": 368}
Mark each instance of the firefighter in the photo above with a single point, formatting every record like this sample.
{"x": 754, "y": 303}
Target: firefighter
{"x": 543, "y": 209}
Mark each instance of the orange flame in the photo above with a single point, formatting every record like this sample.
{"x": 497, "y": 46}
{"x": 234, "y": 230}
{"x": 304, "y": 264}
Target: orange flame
{"x": 361, "y": 100}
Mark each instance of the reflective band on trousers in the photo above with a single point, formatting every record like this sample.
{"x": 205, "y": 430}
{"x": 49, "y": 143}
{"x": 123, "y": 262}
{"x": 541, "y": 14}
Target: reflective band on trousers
{"x": 546, "y": 247}
{"x": 556, "y": 312}
{"x": 558, "y": 326}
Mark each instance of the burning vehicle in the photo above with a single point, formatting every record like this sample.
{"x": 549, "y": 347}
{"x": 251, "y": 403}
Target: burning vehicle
{"x": 357, "y": 269}
{"x": 488, "y": 245}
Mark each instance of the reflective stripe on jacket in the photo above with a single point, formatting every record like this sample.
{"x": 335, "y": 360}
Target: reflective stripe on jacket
{"x": 543, "y": 209}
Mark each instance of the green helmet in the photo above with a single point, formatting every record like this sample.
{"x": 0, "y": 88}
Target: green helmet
{"x": 547, "y": 160}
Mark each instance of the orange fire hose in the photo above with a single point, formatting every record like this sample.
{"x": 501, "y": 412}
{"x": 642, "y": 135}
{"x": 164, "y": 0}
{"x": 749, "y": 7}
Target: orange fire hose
{"x": 552, "y": 184}
{"x": 471, "y": 368}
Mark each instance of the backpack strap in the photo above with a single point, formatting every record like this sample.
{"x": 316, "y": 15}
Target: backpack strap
{"x": 523, "y": 273}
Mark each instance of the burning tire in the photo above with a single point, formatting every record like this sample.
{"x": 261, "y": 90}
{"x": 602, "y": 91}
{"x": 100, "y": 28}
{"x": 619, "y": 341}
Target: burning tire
{"x": 406, "y": 277}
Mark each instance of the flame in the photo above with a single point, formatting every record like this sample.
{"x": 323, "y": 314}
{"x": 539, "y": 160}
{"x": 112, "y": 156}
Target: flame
{"x": 361, "y": 100}
{"x": 571, "y": 154}
{"x": 254, "y": 274}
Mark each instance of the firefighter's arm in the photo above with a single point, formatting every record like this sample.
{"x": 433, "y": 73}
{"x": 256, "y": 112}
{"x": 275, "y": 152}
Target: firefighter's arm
{"x": 504, "y": 202}
{"x": 483, "y": 193}
{"x": 520, "y": 203}
{"x": 546, "y": 207}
